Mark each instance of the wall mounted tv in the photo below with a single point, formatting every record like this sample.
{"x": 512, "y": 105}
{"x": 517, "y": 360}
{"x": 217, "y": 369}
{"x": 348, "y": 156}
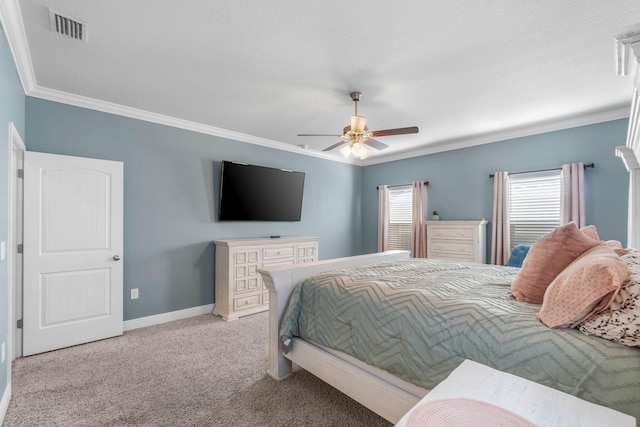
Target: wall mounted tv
{"x": 258, "y": 193}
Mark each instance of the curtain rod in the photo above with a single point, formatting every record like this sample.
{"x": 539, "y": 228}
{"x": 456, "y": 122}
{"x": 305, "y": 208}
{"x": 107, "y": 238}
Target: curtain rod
{"x": 402, "y": 185}
{"x": 588, "y": 165}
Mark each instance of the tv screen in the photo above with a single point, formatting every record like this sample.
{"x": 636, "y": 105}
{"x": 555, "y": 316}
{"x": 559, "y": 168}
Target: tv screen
{"x": 258, "y": 193}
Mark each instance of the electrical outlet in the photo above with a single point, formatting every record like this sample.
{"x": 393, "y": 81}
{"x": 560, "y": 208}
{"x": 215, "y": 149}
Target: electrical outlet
{"x": 4, "y": 354}
{"x": 3, "y": 251}
{"x": 134, "y": 293}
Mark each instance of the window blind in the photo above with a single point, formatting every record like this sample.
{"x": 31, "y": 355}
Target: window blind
{"x": 534, "y": 205}
{"x": 400, "y": 217}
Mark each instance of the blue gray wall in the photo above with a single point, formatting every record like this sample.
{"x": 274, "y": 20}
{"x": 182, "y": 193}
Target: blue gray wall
{"x": 460, "y": 188}
{"x": 171, "y": 180}
{"x": 12, "y": 102}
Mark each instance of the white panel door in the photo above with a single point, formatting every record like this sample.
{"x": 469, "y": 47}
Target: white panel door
{"x": 72, "y": 251}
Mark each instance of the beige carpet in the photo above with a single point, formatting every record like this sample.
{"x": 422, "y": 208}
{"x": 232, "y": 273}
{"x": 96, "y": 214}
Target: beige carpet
{"x": 200, "y": 371}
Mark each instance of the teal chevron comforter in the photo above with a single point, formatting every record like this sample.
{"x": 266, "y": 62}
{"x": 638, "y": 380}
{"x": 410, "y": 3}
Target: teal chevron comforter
{"x": 419, "y": 319}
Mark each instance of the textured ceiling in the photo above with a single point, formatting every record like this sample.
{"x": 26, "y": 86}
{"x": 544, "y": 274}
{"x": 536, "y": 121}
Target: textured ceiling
{"x": 464, "y": 72}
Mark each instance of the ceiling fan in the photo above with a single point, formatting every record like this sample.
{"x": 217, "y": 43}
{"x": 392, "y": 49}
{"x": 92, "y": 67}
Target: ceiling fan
{"x": 356, "y": 136}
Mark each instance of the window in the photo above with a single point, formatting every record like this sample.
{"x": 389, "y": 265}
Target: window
{"x": 400, "y": 217}
{"x": 534, "y": 205}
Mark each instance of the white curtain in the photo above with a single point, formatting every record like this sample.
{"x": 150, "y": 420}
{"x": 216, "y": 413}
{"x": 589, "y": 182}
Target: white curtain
{"x": 500, "y": 242}
{"x": 572, "y": 196}
{"x": 383, "y": 215}
{"x": 419, "y": 226}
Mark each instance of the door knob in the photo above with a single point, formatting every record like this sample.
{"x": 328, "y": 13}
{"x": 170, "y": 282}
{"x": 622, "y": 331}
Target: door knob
{"x": 116, "y": 257}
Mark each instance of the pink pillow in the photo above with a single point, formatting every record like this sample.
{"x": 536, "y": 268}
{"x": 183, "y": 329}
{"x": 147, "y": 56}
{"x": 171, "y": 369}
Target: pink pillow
{"x": 617, "y": 247}
{"x": 591, "y": 231}
{"x": 583, "y": 289}
{"x": 547, "y": 258}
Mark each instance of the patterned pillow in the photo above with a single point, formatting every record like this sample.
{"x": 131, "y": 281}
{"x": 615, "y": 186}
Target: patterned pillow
{"x": 621, "y": 322}
{"x": 583, "y": 289}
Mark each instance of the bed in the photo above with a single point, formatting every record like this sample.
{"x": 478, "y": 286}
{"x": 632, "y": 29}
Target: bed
{"x": 409, "y": 345}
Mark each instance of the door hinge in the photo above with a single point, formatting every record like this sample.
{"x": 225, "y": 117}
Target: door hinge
{"x": 20, "y": 173}
{"x": 19, "y": 325}
{"x": 20, "y": 248}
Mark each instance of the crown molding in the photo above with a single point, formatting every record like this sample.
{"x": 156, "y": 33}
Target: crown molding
{"x": 453, "y": 144}
{"x": 135, "y": 113}
{"x": 616, "y": 113}
{"x": 11, "y": 20}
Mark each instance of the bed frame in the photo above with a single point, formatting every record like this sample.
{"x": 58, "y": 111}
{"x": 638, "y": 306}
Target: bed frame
{"x": 389, "y": 397}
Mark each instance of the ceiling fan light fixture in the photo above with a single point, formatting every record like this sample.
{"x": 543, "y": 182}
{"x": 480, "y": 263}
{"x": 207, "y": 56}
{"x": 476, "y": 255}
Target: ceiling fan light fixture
{"x": 358, "y": 149}
{"x": 355, "y": 148}
{"x": 346, "y": 151}
{"x": 358, "y": 137}
{"x": 358, "y": 123}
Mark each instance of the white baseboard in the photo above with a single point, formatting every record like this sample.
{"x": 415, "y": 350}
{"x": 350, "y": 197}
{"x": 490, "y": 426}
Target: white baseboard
{"x": 4, "y": 403}
{"x": 157, "y": 319}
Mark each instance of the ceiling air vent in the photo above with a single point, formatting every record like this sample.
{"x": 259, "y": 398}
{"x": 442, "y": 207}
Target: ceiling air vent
{"x": 68, "y": 27}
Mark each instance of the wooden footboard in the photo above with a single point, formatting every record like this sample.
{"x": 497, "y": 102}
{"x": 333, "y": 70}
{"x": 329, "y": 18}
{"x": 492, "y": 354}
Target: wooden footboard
{"x": 281, "y": 280}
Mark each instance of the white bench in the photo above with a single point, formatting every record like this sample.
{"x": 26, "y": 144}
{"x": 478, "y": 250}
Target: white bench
{"x": 539, "y": 404}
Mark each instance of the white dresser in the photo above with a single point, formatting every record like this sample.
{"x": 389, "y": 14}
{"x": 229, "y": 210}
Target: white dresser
{"x": 239, "y": 287}
{"x": 457, "y": 240}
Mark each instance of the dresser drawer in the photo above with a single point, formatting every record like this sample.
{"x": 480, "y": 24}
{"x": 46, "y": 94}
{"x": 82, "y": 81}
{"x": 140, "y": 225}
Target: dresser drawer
{"x": 277, "y": 261}
{"x": 451, "y": 247}
{"x": 453, "y": 256}
{"x": 280, "y": 252}
{"x": 242, "y": 303}
{"x": 306, "y": 251}
{"x": 247, "y": 285}
{"x": 250, "y": 256}
{"x": 452, "y": 233}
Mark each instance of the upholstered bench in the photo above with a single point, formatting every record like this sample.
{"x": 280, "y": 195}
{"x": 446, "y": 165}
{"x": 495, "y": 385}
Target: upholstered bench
{"x": 475, "y": 394}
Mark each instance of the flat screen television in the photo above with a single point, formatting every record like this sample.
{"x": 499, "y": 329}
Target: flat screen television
{"x": 258, "y": 193}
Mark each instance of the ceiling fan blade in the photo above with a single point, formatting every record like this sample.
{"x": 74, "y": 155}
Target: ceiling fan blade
{"x": 375, "y": 144}
{"x": 344, "y": 141}
{"x": 398, "y": 131}
{"x": 318, "y": 134}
